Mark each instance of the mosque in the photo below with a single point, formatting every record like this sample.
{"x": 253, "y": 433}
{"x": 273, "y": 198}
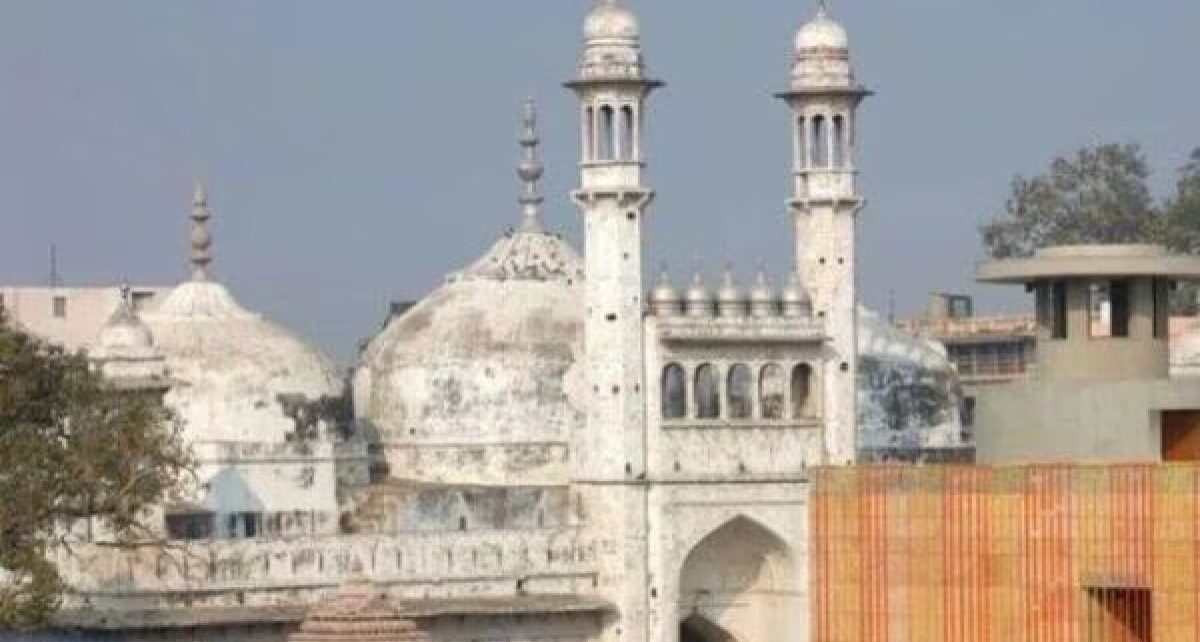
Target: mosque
{"x": 546, "y": 447}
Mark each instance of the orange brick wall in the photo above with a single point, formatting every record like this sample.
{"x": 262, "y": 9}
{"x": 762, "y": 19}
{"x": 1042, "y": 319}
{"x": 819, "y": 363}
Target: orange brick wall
{"x": 1009, "y": 554}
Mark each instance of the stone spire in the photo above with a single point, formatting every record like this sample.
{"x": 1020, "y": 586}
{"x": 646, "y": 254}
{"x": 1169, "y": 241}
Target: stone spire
{"x": 530, "y": 172}
{"x": 201, "y": 239}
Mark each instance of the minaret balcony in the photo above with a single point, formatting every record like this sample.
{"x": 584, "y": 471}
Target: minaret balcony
{"x": 818, "y": 185}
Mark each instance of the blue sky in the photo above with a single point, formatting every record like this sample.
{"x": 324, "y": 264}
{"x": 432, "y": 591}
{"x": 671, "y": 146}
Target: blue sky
{"x": 358, "y": 151}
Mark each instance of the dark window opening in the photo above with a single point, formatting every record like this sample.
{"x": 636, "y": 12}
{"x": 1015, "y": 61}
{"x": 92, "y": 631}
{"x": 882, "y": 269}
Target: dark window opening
{"x": 771, "y": 392}
{"x": 708, "y": 392}
{"x": 60, "y": 307}
{"x": 1058, "y": 310}
{"x": 802, "y": 392}
{"x": 190, "y": 526}
{"x": 674, "y": 392}
{"x": 741, "y": 386}
{"x": 627, "y": 150}
{"x": 607, "y": 136}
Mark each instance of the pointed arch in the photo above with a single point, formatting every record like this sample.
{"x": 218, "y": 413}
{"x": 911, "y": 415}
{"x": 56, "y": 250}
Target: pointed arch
{"x": 740, "y": 580}
{"x": 741, "y": 392}
{"x": 708, "y": 392}
{"x": 674, "y": 392}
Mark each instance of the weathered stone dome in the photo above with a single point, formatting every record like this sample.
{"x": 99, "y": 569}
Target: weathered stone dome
{"x": 492, "y": 357}
{"x": 231, "y": 368}
{"x": 609, "y": 20}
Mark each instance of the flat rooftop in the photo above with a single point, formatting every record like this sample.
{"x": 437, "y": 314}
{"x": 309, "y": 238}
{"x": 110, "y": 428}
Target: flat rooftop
{"x": 1084, "y": 261}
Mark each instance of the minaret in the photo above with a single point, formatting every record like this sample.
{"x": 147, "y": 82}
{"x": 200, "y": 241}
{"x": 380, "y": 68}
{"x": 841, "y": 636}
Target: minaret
{"x": 612, "y": 88}
{"x": 824, "y": 98}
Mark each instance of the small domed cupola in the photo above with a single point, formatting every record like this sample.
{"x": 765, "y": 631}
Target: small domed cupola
{"x": 612, "y": 43}
{"x": 665, "y": 300}
{"x": 822, "y": 53}
{"x": 125, "y": 352}
{"x": 796, "y": 302}
{"x": 762, "y": 299}
{"x": 699, "y": 299}
{"x": 729, "y": 298}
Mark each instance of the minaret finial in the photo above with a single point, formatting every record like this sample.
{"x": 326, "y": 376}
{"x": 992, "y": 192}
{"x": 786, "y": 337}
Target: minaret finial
{"x": 822, "y": 8}
{"x": 201, "y": 240}
{"x": 530, "y": 171}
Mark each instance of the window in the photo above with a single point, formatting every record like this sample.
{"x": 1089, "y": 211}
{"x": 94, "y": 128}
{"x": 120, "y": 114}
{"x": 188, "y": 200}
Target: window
{"x": 140, "y": 299}
{"x": 801, "y": 143}
{"x": 708, "y": 392}
{"x": 60, "y": 307}
{"x": 741, "y": 391}
{"x": 674, "y": 391}
{"x": 771, "y": 392}
{"x": 190, "y": 525}
{"x": 589, "y": 134}
{"x": 839, "y": 141}
{"x": 1108, "y": 305}
{"x": 627, "y": 150}
{"x": 802, "y": 391}
{"x": 1160, "y": 293}
{"x": 820, "y": 143}
{"x": 607, "y": 134}
{"x": 245, "y": 525}
{"x": 1058, "y": 310}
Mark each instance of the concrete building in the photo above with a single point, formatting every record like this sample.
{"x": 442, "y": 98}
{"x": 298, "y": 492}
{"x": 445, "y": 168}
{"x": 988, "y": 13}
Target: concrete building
{"x": 1102, "y": 389}
{"x": 72, "y": 316}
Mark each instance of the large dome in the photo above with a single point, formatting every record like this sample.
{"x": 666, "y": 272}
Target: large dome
{"x": 233, "y": 370}
{"x": 491, "y": 358}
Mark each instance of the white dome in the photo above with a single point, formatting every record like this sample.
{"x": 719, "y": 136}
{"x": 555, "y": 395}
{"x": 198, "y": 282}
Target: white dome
{"x": 125, "y": 352}
{"x": 493, "y": 357}
{"x": 822, "y": 33}
{"x": 231, "y": 367}
{"x": 611, "y": 21}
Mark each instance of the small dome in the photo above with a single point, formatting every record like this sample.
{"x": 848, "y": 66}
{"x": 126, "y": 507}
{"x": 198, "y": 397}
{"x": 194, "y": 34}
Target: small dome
{"x": 610, "y": 20}
{"x": 796, "y": 301}
{"x": 821, "y": 33}
{"x": 665, "y": 298}
{"x": 124, "y": 331}
{"x": 729, "y": 296}
{"x": 761, "y": 292}
{"x": 762, "y": 299}
{"x": 699, "y": 299}
{"x": 125, "y": 352}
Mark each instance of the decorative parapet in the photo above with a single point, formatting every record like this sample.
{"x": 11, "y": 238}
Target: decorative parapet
{"x": 741, "y": 330}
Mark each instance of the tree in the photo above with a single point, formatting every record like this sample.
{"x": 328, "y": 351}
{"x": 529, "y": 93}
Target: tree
{"x": 71, "y": 449}
{"x": 1100, "y": 195}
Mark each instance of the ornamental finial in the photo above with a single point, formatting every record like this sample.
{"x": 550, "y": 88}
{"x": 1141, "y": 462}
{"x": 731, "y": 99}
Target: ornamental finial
{"x": 530, "y": 172}
{"x": 201, "y": 239}
{"x": 822, "y": 8}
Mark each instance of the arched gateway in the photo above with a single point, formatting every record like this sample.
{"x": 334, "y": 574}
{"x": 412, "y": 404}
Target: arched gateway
{"x": 739, "y": 585}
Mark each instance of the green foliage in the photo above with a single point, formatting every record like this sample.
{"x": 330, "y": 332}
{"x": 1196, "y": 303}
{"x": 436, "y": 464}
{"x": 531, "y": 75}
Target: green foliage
{"x": 70, "y": 449}
{"x": 1099, "y": 195}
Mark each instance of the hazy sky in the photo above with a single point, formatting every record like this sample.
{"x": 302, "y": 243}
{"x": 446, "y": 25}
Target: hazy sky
{"x": 358, "y": 151}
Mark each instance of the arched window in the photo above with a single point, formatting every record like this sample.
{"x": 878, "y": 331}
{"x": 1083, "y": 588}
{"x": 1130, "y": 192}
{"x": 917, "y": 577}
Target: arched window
{"x": 820, "y": 143}
{"x": 839, "y": 141}
{"x": 589, "y": 133}
{"x": 674, "y": 392}
{"x": 802, "y": 391}
{"x": 627, "y": 150}
{"x": 770, "y": 392}
{"x": 741, "y": 392}
{"x": 708, "y": 392}
{"x": 606, "y": 137}
{"x": 801, "y": 143}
